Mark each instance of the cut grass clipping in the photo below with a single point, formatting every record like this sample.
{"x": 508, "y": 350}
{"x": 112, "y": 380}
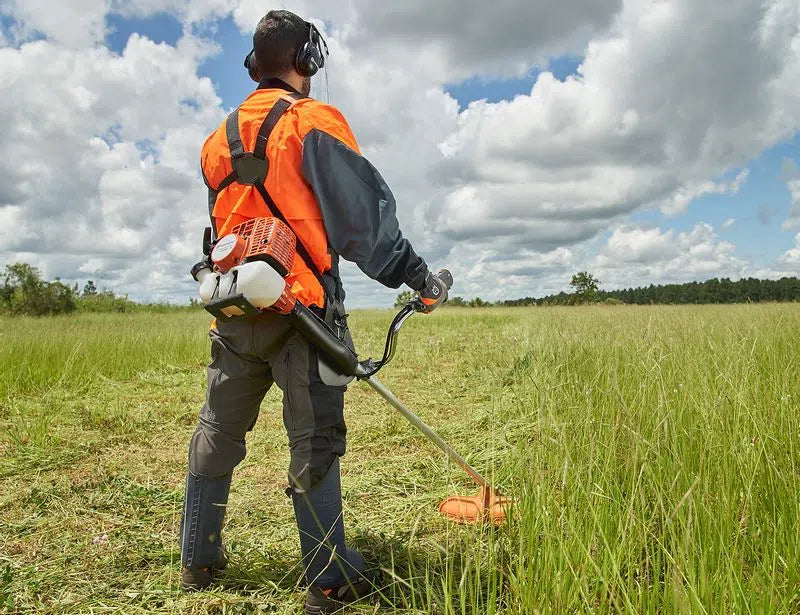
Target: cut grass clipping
{"x": 654, "y": 452}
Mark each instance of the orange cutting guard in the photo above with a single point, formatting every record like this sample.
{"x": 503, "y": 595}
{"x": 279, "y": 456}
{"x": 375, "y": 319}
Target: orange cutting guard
{"x": 486, "y": 507}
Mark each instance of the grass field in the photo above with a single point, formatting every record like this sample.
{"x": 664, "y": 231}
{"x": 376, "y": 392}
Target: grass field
{"x": 654, "y": 452}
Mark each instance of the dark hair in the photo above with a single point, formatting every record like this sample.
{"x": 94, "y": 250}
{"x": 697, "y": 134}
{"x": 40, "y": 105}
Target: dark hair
{"x": 277, "y": 39}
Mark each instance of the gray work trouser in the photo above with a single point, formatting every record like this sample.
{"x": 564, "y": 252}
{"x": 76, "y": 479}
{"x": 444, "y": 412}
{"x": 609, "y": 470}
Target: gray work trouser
{"x": 247, "y": 356}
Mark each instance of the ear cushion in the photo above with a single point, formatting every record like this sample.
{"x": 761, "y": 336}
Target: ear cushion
{"x": 252, "y": 67}
{"x": 309, "y": 60}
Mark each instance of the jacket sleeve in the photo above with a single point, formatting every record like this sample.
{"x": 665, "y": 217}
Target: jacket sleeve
{"x": 358, "y": 210}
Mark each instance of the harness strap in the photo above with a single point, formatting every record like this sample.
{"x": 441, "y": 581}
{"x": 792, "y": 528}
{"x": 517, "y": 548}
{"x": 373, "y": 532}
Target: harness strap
{"x": 278, "y": 109}
{"x": 251, "y": 168}
{"x": 300, "y": 247}
{"x": 234, "y": 176}
{"x": 234, "y": 136}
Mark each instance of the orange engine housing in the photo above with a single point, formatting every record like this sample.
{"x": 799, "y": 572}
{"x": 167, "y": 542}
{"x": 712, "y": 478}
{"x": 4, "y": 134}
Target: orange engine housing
{"x": 270, "y": 240}
{"x": 264, "y": 239}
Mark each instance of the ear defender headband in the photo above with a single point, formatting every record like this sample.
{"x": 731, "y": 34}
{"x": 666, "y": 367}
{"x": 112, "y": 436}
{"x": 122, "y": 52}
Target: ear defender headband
{"x": 310, "y": 57}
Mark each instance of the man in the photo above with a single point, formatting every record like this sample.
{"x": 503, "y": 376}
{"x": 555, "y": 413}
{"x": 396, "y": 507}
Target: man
{"x": 286, "y": 155}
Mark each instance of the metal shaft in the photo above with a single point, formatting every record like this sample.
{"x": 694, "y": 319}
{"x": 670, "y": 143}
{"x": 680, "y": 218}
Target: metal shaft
{"x": 427, "y": 431}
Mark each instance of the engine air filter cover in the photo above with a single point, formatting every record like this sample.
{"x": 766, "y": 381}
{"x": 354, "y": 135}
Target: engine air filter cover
{"x": 270, "y": 240}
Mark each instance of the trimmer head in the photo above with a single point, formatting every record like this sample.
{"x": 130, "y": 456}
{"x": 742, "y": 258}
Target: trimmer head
{"x": 486, "y": 507}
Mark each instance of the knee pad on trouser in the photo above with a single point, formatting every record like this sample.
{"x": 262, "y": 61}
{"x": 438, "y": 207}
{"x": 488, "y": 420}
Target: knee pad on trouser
{"x": 214, "y": 451}
{"x": 204, "y": 507}
{"x": 326, "y": 559}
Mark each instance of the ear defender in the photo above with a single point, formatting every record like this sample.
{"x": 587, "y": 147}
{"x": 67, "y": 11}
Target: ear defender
{"x": 310, "y": 57}
{"x": 251, "y": 66}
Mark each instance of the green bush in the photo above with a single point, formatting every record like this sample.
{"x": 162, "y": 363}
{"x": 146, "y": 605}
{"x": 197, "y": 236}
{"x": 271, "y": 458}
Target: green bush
{"x": 23, "y": 292}
{"x": 105, "y": 301}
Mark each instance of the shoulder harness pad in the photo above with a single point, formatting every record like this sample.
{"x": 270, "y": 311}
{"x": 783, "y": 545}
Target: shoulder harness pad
{"x": 250, "y": 168}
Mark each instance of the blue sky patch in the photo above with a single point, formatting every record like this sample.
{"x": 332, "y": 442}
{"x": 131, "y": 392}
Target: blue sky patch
{"x": 112, "y": 135}
{"x": 6, "y": 23}
{"x": 161, "y": 28}
{"x": 9, "y": 27}
{"x": 495, "y": 90}
{"x": 760, "y": 208}
{"x": 226, "y": 69}
{"x": 147, "y": 148}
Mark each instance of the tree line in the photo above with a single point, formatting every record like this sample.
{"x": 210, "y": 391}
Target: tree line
{"x": 24, "y": 292}
{"x": 586, "y": 290}
{"x": 715, "y": 290}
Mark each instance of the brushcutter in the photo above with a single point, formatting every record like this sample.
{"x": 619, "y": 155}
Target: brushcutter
{"x": 246, "y": 275}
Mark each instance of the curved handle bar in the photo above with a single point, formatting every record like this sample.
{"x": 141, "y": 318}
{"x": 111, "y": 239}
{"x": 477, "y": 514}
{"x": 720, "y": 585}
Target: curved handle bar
{"x": 372, "y": 367}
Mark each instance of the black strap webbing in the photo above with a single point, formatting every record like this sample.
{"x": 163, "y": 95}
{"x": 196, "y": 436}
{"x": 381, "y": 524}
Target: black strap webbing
{"x": 227, "y": 181}
{"x": 277, "y": 111}
{"x": 234, "y": 136}
{"x": 300, "y": 247}
{"x": 260, "y": 152}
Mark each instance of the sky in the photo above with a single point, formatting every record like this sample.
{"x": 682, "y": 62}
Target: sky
{"x": 645, "y": 141}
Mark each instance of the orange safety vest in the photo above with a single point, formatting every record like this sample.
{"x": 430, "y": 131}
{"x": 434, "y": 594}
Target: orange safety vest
{"x": 232, "y": 202}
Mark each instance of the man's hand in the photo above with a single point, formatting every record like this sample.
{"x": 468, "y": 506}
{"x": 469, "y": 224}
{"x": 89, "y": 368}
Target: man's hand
{"x": 435, "y": 291}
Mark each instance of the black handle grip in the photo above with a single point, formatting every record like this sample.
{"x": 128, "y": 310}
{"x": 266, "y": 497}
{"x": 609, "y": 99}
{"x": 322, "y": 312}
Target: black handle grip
{"x": 445, "y": 276}
{"x": 208, "y": 240}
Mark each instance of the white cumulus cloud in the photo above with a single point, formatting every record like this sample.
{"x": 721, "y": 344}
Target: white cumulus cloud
{"x": 791, "y": 258}
{"x": 792, "y": 175}
{"x": 636, "y": 256}
{"x": 672, "y": 100}
{"x": 102, "y": 166}
{"x": 73, "y": 23}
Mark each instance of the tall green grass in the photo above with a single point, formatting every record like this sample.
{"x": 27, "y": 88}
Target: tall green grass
{"x": 652, "y": 452}
{"x": 73, "y": 352}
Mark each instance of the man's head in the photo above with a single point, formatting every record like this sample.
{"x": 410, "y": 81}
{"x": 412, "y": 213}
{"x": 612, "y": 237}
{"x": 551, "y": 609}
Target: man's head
{"x": 279, "y": 37}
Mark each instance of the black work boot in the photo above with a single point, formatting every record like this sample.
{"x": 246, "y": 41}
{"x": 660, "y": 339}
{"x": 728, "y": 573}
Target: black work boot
{"x": 320, "y": 600}
{"x": 202, "y": 553}
{"x": 195, "y": 579}
{"x": 334, "y": 573}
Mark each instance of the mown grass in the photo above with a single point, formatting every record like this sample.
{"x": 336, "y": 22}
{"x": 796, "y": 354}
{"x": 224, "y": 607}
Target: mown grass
{"x": 653, "y": 452}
